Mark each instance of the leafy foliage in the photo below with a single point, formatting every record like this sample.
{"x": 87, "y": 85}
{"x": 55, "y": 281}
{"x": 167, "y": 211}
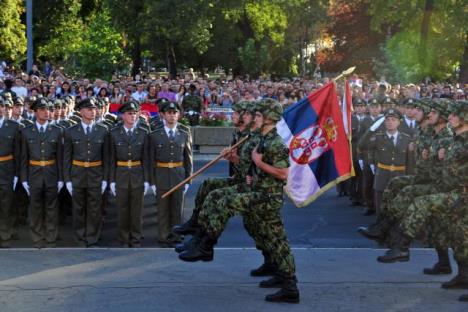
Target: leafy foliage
{"x": 12, "y": 30}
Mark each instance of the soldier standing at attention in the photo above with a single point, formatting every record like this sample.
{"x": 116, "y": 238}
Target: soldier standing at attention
{"x": 388, "y": 154}
{"x": 192, "y": 106}
{"x": 85, "y": 172}
{"x": 41, "y": 174}
{"x": 171, "y": 156}
{"x": 9, "y": 163}
{"x": 129, "y": 173}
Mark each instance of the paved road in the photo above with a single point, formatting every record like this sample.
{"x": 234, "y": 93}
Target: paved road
{"x": 328, "y": 222}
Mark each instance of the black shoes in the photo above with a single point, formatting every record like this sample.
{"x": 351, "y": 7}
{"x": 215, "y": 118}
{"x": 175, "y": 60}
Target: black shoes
{"x": 371, "y": 232}
{"x": 187, "y": 228}
{"x": 199, "y": 251}
{"x": 274, "y": 282}
{"x": 288, "y": 292}
{"x": 265, "y": 269}
{"x": 394, "y": 255}
{"x": 369, "y": 212}
{"x": 442, "y": 266}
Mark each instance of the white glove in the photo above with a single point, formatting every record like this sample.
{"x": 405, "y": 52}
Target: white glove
{"x": 147, "y": 187}
{"x": 15, "y": 181}
{"x": 59, "y": 186}
{"x": 26, "y": 188}
{"x": 69, "y": 187}
{"x": 153, "y": 188}
{"x": 186, "y": 187}
{"x": 361, "y": 163}
{"x": 372, "y": 167}
{"x": 103, "y": 186}
{"x": 112, "y": 189}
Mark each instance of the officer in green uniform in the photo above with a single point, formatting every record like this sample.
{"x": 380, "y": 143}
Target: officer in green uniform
{"x": 192, "y": 106}
{"x": 86, "y": 152}
{"x": 42, "y": 174}
{"x": 271, "y": 158}
{"x": 9, "y": 165}
{"x": 171, "y": 157}
{"x": 129, "y": 174}
{"x": 211, "y": 184}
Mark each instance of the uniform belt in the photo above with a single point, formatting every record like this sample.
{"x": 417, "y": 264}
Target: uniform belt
{"x": 129, "y": 163}
{"x": 6, "y": 158}
{"x": 42, "y": 163}
{"x": 169, "y": 164}
{"x": 391, "y": 167}
{"x": 87, "y": 164}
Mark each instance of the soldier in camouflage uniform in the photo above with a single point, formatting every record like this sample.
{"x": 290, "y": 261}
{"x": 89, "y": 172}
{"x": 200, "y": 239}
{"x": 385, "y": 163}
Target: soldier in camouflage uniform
{"x": 426, "y": 182}
{"x": 450, "y": 205}
{"x": 264, "y": 202}
{"x": 211, "y": 184}
{"x": 192, "y": 106}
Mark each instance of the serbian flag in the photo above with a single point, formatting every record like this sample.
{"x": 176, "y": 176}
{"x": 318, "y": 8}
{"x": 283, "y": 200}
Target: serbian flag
{"x": 148, "y": 109}
{"x": 319, "y": 150}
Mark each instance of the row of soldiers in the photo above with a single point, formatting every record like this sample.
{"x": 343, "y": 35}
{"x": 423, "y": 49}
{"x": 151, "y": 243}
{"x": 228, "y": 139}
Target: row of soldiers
{"x": 254, "y": 190}
{"x": 421, "y": 185}
{"x": 84, "y": 155}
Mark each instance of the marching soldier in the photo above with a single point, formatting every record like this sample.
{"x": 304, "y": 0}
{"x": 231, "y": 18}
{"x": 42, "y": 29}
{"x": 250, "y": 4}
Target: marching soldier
{"x": 389, "y": 154}
{"x": 129, "y": 173}
{"x": 9, "y": 164}
{"x": 41, "y": 174}
{"x": 86, "y": 172}
{"x": 171, "y": 156}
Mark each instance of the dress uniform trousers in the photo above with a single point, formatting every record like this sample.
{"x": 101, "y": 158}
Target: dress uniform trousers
{"x": 129, "y": 203}
{"x": 6, "y": 212}
{"x": 87, "y": 219}
{"x": 43, "y": 214}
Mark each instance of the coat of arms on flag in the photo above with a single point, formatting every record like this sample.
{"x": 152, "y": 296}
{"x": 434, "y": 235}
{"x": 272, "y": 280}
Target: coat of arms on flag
{"x": 314, "y": 130}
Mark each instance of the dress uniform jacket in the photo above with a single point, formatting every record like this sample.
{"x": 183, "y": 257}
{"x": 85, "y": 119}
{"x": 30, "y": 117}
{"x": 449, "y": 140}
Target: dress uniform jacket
{"x": 389, "y": 160}
{"x": 9, "y": 160}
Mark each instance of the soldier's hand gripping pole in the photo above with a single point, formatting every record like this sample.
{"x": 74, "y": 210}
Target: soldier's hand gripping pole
{"x": 199, "y": 171}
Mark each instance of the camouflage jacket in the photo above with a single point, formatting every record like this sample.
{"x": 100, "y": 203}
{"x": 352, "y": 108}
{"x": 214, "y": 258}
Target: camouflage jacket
{"x": 276, "y": 154}
{"x": 423, "y": 166}
{"x": 245, "y": 153}
{"x": 443, "y": 139}
{"x": 455, "y": 169}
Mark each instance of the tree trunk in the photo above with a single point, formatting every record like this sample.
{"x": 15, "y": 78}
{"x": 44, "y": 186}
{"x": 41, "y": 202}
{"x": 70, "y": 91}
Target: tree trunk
{"x": 464, "y": 64}
{"x": 426, "y": 21}
{"x": 136, "y": 56}
{"x": 171, "y": 60}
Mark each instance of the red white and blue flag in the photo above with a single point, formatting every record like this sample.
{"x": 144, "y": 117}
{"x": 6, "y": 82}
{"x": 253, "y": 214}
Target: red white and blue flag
{"x": 319, "y": 148}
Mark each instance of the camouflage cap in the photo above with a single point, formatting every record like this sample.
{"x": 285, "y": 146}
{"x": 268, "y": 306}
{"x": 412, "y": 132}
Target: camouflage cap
{"x": 424, "y": 104}
{"x": 251, "y": 107}
{"x": 459, "y": 108}
{"x": 271, "y": 109}
{"x": 240, "y": 106}
{"x": 441, "y": 106}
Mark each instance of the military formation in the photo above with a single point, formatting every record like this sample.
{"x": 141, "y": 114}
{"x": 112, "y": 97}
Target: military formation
{"x": 416, "y": 158}
{"x": 63, "y": 158}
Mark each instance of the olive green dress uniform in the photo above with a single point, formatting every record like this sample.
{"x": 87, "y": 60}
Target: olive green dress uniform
{"x": 389, "y": 159}
{"x": 358, "y": 126}
{"x": 10, "y": 141}
{"x": 41, "y": 167}
{"x": 86, "y": 166}
{"x": 172, "y": 163}
{"x": 192, "y": 106}
{"x": 129, "y": 170}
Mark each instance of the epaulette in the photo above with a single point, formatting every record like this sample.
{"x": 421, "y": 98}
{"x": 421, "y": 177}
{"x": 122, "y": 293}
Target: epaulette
{"x": 144, "y": 129}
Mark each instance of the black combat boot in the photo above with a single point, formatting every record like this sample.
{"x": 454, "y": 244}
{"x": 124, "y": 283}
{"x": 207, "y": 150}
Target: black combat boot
{"x": 460, "y": 280}
{"x": 184, "y": 246}
{"x": 288, "y": 292}
{"x": 463, "y": 298}
{"x": 399, "y": 250}
{"x": 442, "y": 266}
{"x": 202, "y": 250}
{"x": 377, "y": 231}
{"x": 189, "y": 227}
{"x": 267, "y": 268}
{"x": 275, "y": 282}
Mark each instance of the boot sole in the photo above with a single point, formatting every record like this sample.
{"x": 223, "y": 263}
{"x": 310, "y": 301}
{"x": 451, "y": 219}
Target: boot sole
{"x": 205, "y": 259}
{"x": 262, "y": 274}
{"x": 403, "y": 259}
{"x": 464, "y": 286}
{"x": 436, "y": 272}
{"x": 286, "y": 300}
{"x": 270, "y": 286}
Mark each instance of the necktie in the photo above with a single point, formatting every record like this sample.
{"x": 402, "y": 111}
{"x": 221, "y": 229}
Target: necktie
{"x": 88, "y": 130}
{"x": 129, "y": 133}
{"x": 171, "y": 134}
{"x": 393, "y": 139}
{"x": 41, "y": 130}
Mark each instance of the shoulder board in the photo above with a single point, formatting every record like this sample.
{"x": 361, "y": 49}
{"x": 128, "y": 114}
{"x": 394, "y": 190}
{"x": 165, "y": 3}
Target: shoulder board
{"x": 405, "y": 134}
{"x": 101, "y": 126}
{"x": 56, "y": 127}
{"x": 143, "y": 128}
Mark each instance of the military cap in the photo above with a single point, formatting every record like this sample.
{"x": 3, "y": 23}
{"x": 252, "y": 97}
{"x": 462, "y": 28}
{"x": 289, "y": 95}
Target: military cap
{"x": 6, "y": 102}
{"x": 171, "y": 106}
{"x": 391, "y": 112}
{"x": 424, "y": 104}
{"x": 67, "y": 100}
{"x": 251, "y": 107}
{"x": 271, "y": 109}
{"x": 19, "y": 101}
{"x": 31, "y": 98}
{"x": 40, "y": 103}
{"x": 459, "y": 108}
{"x": 358, "y": 102}
{"x": 441, "y": 106}
{"x": 387, "y": 100}
{"x": 161, "y": 102}
{"x": 129, "y": 106}
{"x": 7, "y": 95}
{"x": 58, "y": 103}
{"x": 86, "y": 103}
{"x": 410, "y": 102}
{"x": 239, "y": 106}
{"x": 374, "y": 102}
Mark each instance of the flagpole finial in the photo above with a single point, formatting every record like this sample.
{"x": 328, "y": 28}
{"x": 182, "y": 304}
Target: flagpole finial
{"x": 344, "y": 73}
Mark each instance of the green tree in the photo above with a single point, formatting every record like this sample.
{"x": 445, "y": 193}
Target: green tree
{"x": 12, "y": 30}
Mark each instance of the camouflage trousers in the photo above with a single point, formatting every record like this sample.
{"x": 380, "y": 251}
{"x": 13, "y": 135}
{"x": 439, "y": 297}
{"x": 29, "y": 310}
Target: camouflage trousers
{"x": 394, "y": 187}
{"x": 264, "y": 223}
{"x": 209, "y": 185}
{"x": 449, "y": 211}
